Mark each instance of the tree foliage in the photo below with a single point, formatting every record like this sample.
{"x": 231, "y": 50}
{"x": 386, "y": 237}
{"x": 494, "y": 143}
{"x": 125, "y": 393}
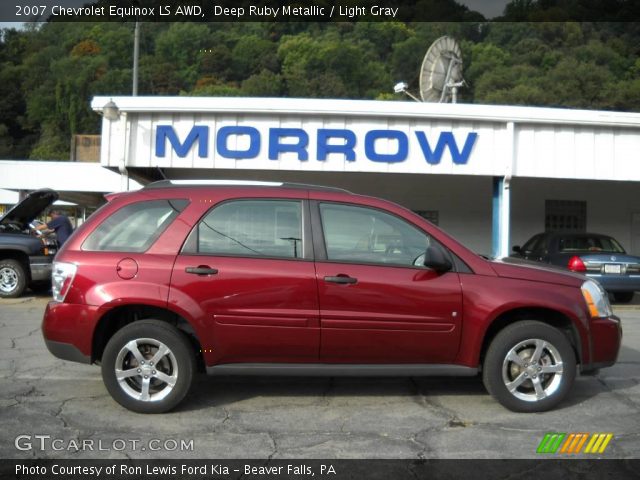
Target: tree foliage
{"x": 49, "y": 74}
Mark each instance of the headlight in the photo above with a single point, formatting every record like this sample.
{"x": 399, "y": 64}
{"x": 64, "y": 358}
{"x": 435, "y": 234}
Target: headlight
{"x": 597, "y": 299}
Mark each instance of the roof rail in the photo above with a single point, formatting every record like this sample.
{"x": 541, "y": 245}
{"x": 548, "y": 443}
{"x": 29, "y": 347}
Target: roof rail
{"x": 239, "y": 183}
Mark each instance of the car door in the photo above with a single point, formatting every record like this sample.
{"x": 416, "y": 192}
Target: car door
{"x": 247, "y": 269}
{"x": 377, "y": 303}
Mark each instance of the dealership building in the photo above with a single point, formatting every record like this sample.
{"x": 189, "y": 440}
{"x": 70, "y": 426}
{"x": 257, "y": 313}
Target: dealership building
{"x": 493, "y": 176}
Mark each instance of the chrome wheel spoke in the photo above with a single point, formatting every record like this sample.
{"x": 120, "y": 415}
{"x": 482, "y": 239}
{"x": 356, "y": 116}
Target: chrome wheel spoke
{"x": 162, "y": 351}
{"x": 540, "y": 346}
{"x": 537, "y": 385}
{"x": 557, "y": 368}
{"x": 170, "y": 380}
{"x": 122, "y": 374}
{"x": 132, "y": 346}
{"x": 512, "y": 356}
{"x": 144, "y": 394}
{"x": 513, "y": 386}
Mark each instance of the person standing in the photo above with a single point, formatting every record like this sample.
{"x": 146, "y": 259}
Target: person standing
{"x": 60, "y": 224}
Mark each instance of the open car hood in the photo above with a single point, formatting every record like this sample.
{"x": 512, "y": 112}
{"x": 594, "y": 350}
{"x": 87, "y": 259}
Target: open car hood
{"x": 29, "y": 208}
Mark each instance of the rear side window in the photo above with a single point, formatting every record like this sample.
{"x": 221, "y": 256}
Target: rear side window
{"x": 253, "y": 228}
{"x": 134, "y": 227}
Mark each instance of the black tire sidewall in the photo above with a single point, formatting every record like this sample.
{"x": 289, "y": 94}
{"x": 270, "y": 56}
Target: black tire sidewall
{"x": 17, "y": 267}
{"x": 507, "y": 339}
{"x": 623, "y": 297}
{"x": 177, "y": 343}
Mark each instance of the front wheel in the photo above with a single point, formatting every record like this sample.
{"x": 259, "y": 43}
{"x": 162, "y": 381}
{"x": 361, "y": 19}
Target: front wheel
{"x": 148, "y": 366}
{"x": 13, "y": 278}
{"x": 529, "y": 367}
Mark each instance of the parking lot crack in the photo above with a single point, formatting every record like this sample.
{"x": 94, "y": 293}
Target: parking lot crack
{"x": 449, "y": 416}
{"x": 275, "y": 446}
{"x": 58, "y": 414}
{"x": 423, "y": 446}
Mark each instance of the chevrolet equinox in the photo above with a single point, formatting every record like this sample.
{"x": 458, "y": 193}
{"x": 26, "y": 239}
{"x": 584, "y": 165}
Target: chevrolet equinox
{"x": 266, "y": 278}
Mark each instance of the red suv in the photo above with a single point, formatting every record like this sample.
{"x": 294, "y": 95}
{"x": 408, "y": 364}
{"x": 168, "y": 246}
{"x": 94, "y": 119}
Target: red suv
{"x": 301, "y": 280}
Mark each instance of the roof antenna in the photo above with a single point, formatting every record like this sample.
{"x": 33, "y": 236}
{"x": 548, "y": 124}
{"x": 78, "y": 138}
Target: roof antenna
{"x": 164, "y": 177}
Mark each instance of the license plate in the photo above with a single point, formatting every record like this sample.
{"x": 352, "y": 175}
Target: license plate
{"x": 613, "y": 268}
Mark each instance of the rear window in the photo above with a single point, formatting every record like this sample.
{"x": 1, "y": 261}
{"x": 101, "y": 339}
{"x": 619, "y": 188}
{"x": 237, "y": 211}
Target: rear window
{"x": 134, "y": 227}
{"x": 586, "y": 243}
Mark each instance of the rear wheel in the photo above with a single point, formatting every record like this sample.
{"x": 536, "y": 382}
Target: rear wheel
{"x": 623, "y": 297}
{"x": 148, "y": 366}
{"x": 13, "y": 278}
{"x": 529, "y": 367}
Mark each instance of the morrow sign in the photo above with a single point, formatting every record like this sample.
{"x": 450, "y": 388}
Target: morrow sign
{"x": 327, "y": 141}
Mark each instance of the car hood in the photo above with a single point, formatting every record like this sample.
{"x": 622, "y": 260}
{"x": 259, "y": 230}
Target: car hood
{"x": 520, "y": 269}
{"x": 29, "y": 208}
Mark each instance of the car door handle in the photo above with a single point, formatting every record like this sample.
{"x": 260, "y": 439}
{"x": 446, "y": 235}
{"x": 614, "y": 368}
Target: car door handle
{"x": 201, "y": 270}
{"x": 342, "y": 279}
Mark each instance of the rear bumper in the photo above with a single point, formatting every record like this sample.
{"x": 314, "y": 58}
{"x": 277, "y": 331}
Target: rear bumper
{"x": 68, "y": 330}
{"x": 606, "y": 338}
{"x": 66, "y": 351}
{"x": 618, "y": 283}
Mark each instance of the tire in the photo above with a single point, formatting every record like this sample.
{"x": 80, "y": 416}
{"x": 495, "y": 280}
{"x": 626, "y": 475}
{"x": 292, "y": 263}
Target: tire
{"x": 13, "y": 278}
{"x": 623, "y": 297}
{"x": 177, "y": 365}
{"x": 521, "y": 341}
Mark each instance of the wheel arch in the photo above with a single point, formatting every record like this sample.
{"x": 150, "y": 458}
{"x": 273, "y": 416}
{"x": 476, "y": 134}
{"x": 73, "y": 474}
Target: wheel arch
{"x": 122, "y": 315}
{"x": 18, "y": 255}
{"x": 549, "y": 316}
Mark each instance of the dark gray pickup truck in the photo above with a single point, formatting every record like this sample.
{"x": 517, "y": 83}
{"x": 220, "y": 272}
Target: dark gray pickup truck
{"x": 25, "y": 254}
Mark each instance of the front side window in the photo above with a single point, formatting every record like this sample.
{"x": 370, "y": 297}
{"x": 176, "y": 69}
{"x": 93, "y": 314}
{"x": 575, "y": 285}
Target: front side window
{"x": 134, "y": 227}
{"x": 365, "y": 235}
{"x": 253, "y": 228}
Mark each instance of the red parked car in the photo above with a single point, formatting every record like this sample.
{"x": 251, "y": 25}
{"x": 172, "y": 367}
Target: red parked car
{"x": 292, "y": 279}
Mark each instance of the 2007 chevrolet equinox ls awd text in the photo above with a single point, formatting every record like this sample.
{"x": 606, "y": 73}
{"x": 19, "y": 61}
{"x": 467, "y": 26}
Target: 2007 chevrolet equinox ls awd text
{"x": 294, "y": 279}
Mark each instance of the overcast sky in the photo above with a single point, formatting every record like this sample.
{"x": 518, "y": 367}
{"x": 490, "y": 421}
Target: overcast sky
{"x": 489, "y": 8}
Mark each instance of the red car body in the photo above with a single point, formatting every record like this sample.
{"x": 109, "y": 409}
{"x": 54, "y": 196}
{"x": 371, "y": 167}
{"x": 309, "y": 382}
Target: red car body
{"x": 268, "y": 311}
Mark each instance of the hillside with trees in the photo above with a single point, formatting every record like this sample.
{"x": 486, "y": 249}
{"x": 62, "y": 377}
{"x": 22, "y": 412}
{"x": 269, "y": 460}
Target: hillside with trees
{"x": 50, "y": 72}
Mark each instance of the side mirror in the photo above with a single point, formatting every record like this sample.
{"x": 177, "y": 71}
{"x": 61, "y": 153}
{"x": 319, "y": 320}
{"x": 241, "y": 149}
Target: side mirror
{"x": 436, "y": 259}
{"x": 517, "y": 249}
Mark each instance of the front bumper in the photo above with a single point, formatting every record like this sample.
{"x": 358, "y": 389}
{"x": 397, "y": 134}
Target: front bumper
{"x": 68, "y": 330}
{"x": 41, "y": 268}
{"x": 606, "y": 338}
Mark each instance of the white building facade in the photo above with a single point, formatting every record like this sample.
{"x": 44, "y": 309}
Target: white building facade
{"x": 491, "y": 175}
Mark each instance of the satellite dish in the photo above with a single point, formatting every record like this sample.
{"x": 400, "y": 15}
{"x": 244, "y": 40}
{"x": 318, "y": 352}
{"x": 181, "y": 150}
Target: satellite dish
{"x": 441, "y": 72}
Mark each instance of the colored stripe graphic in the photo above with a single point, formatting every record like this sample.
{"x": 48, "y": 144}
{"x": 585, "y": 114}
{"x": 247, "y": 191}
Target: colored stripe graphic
{"x": 598, "y": 443}
{"x": 572, "y": 443}
{"x": 550, "y": 442}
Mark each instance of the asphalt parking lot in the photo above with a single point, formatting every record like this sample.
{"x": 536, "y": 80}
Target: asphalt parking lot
{"x": 58, "y": 409}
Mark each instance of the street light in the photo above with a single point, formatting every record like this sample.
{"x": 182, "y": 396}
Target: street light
{"x": 110, "y": 111}
{"x": 401, "y": 87}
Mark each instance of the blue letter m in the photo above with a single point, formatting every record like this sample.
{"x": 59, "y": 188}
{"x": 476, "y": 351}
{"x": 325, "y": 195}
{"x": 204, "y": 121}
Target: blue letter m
{"x": 166, "y": 132}
{"x": 447, "y": 139}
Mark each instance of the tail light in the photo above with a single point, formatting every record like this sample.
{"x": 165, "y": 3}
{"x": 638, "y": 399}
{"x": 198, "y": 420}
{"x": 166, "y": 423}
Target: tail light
{"x": 61, "y": 279}
{"x": 577, "y": 265}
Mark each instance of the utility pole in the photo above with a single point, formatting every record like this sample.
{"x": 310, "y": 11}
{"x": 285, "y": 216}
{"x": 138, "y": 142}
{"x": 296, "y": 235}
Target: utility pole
{"x": 136, "y": 55}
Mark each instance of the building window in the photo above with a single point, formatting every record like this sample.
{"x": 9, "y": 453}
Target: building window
{"x": 431, "y": 215}
{"x": 565, "y": 216}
